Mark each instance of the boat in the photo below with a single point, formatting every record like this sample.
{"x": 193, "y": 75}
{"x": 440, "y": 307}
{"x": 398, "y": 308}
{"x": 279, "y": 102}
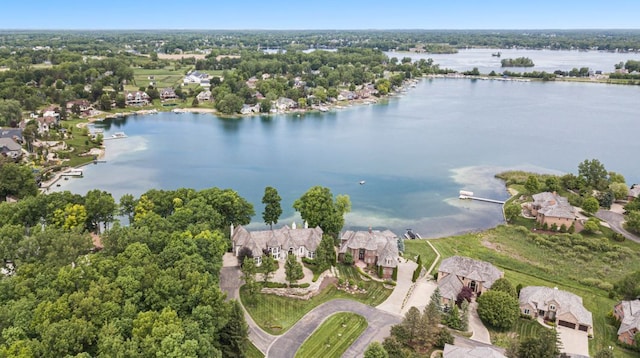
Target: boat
{"x": 412, "y": 235}
{"x": 496, "y": 54}
{"x": 361, "y": 182}
{"x": 118, "y": 135}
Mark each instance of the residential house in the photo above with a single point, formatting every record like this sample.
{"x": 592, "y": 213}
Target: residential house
{"x": 13, "y": 133}
{"x": 560, "y": 307}
{"x": 373, "y": 248}
{"x": 457, "y": 272}
{"x": 9, "y": 148}
{"x": 138, "y": 98}
{"x": 168, "y": 93}
{"x": 249, "y": 109}
{"x": 628, "y": 313}
{"x": 451, "y": 351}
{"x": 81, "y": 106}
{"x": 46, "y": 123}
{"x": 204, "y": 96}
{"x": 347, "y": 96}
{"x": 251, "y": 82}
{"x": 551, "y": 208}
{"x": 278, "y": 243}
{"x": 284, "y": 104}
{"x": 195, "y": 77}
{"x": 634, "y": 192}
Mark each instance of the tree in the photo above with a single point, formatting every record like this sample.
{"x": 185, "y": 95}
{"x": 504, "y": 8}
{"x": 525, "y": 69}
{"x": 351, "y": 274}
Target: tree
{"x": 466, "y": 294}
{"x": 504, "y": 285}
{"x": 452, "y": 318}
{"x": 10, "y": 113}
{"x": 121, "y": 101}
{"x": 233, "y": 337}
{"x": 532, "y": 185}
{"x": 498, "y": 309}
{"x": 272, "y": 208}
{"x": 195, "y": 102}
{"x": 269, "y": 266}
{"x": 243, "y": 254}
{"x": 545, "y": 344}
{"x": 375, "y": 350}
{"x": 318, "y": 208}
{"x": 616, "y": 178}
{"x": 552, "y": 183}
{"x": 619, "y": 190}
{"x": 326, "y": 253}
{"x": 229, "y": 104}
{"x": 292, "y": 269}
{"x": 604, "y": 353}
{"x": 591, "y": 226}
{"x": 348, "y": 258}
{"x": 512, "y": 211}
{"x": 100, "y": 207}
{"x": 127, "y": 206}
{"x": 633, "y": 221}
{"x": 249, "y": 270}
{"x": 74, "y": 216}
{"x": 590, "y": 205}
{"x": 105, "y": 102}
{"x": 593, "y": 173}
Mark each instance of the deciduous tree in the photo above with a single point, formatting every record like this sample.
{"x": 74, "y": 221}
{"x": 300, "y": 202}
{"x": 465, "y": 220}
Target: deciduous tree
{"x": 498, "y": 309}
{"x": 293, "y": 269}
{"x": 272, "y": 208}
{"x": 593, "y": 173}
{"x": 318, "y": 208}
{"x": 375, "y": 350}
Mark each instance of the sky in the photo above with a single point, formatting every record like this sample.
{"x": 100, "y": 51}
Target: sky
{"x": 320, "y": 14}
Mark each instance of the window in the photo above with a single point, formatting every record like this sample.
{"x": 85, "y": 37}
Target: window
{"x": 311, "y": 255}
{"x": 526, "y": 311}
{"x": 552, "y": 307}
{"x": 258, "y": 260}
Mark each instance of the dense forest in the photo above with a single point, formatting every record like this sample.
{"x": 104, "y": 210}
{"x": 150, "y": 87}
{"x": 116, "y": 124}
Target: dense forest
{"x": 149, "y": 289}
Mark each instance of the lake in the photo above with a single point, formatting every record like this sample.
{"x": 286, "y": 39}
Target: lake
{"x": 415, "y": 151}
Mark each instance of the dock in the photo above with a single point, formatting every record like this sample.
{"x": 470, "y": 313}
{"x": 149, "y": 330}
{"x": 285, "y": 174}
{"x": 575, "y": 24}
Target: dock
{"x": 469, "y": 195}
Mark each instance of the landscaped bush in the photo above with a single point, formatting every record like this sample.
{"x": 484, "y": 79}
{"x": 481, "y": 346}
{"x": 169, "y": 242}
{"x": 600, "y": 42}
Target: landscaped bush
{"x": 299, "y": 285}
{"x": 274, "y": 285}
{"x": 416, "y": 274}
{"x": 309, "y": 261}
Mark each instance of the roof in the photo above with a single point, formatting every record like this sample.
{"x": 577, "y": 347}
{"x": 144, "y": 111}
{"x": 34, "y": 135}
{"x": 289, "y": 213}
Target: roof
{"x": 630, "y": 316}
{"x": 450, "y": 286}
{"x": 553, "y": 205}
{"x": 384, "y": 243}
{"x": 14, "y": 133}
{"x": 284, "y": 238}
{"x": 9, "y": 144}
{"x": 541, "y": 297}
{"x": 451, "y": 351}
{"x": 635, "y": 190}
{"x": 476, "y": 270}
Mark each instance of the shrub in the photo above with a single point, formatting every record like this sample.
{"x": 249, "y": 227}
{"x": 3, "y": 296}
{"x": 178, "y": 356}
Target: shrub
{"x": 617, "y": 237}
{"x": 348, "y": 258}
{"x": 416, "y": 274}
{"x": 394, "y": 274}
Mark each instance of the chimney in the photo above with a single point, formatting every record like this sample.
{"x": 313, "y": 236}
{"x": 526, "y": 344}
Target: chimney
{"x": 306, "y": 224}
{"x": 231, "y": 234}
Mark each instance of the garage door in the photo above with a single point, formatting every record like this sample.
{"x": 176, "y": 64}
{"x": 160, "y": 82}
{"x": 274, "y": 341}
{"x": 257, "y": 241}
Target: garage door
{"x": 582, "y": 327}
{"x": 567, "y": 324}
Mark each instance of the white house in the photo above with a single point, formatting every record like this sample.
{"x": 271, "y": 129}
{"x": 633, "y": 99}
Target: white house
{"x": 278, "y": 243}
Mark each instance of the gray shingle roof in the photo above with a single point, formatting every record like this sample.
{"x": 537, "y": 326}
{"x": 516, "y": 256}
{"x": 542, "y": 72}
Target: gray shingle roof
{"x": 631, "y": 316}
{"x": 540, "y": 297}
{"x": 285, "y": 238}
{"x": 451, "y": 351}
{"x": 480, "y": 271}
{"x": 9, "y": 144}
{"x": 384, "y": 243}
{"x": 553, "y": 205}
{"x": 450, "y": 286}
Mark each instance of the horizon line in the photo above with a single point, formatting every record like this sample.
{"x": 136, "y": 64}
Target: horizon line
{"x": 326, "y": 29}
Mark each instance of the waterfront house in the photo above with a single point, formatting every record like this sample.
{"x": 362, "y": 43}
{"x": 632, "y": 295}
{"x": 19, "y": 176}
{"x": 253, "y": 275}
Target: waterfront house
{"x": 137, "y": 98}
{"x": 559, "y": 307}
{"x": 372, "y": 248}
{"x": 628, "y": 313}
{"x": 457, "y": 272}
{"x": 46, "y": 123}
{"x": 451, "y": 351}
{"x": 168, "y": 93}
{"x": 284, "y": 104}
{"x": 551, "y": 208}
{"x": 195, "y": 77}
{"x": 13, "y": 133}
{"x": 10, "y": 148}
{"x": 347, "y": 96}
{"x": 249, "y": 109}
{"x": 80, "y": 107}
{"x": 204, "y": 96}
{"x": 278, "y": 243}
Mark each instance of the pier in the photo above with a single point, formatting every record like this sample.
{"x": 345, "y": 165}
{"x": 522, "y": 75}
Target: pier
{"x": 469, "y": 195}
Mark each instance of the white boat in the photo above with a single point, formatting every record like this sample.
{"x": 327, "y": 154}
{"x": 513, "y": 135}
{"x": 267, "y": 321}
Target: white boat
{"x": 361, "y": 182}
{"x": 465, "y": 193}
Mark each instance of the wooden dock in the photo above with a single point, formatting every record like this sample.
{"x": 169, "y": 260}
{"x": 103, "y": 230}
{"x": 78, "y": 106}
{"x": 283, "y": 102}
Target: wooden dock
{"x": 469, "y": 195}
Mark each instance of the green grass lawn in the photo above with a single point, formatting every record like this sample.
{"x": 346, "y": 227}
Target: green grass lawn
{"x": 165, "y": 77}
{"x": 524, "y": 328}
{"x": 552, "y": 260}
{"x": 413, "y": 248}
{"x": 253, "y": 352}
{"x": 276, "y": 314}
{"x": 334, "y": 336}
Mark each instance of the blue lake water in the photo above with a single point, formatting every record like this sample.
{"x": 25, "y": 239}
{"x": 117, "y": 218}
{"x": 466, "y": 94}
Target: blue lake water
{"x": 415, "y": 151}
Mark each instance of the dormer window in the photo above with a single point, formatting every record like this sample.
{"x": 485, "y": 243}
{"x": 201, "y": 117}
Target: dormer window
{"x": 552, "y": 307}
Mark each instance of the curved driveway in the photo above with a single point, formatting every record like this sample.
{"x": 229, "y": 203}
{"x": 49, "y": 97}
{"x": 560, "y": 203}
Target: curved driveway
{"x": 379, "y": 326}
{"x": 615, "y": 220}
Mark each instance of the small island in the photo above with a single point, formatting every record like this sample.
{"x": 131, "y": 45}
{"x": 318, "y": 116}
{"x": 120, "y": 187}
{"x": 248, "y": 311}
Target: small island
{"x": 517, "y": 62}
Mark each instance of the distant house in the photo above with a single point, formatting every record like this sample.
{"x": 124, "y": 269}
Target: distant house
{"x": 13, "y": 133}
{"x": 9, "y": 148}
{"x": 277, "y": 243}
{"x": 634, "y": 192}
{"x": 457, "y": 272}
{"x": 138, "y": 98}
{"x": 347, "y": 96}
{"x": 251, "y": 82}
{"x": 451, "y": 351}
{"x": 46, "y": 123}
{"x": 560, "y": 307}
{"x": 82, "y": 106}
{"x": 284, "y": 104}
{"x": 628, "y": 313}
{"x": 168, "y": 93}
{"x": 249, "y": 109}
{"x": 373, "y": 248}
{"x": 204, "y": 96}
{"x": 195, "y": 77}
{"x": 551, "y": 208}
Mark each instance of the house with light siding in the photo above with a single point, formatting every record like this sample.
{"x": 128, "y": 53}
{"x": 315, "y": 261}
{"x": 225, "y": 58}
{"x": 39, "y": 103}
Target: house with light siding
{"x": 628, "y": 313}
{"x": 372, "y": 248}
{"x": 560, "y": 307}
{"x": 457, "y": 272}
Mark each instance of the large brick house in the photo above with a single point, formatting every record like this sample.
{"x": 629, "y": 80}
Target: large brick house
{"x": 373, "y": 248}
{"x": 551, "y": 208}
{"x": 278, "y": 243}
{"x": 628, "y": 313}
{"x": 457, "y": 272}
{"x": 561, "y": 307}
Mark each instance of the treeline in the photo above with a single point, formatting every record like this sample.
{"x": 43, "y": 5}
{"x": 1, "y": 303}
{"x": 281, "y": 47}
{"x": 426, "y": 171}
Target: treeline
{"x": 517, "y": 62}
{"x": 151, "y": 291}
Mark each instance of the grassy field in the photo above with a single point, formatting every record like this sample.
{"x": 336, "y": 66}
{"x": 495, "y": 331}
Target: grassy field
{"x": 524, "y": 328}
{"x": 166, "y": 77}
{"x": 413, "y": 248}
{"x": 253, "y": 352}
{"x": 586, "y": 266}
{"x": 334, "y": 336}
{"x": 276, "y": 314}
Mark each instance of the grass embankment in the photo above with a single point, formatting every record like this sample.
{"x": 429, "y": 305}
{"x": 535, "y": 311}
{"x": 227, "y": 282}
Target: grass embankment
{"x": 334, "y": 336}
{"x": 584, "y": 265}
{"x": 413, "y": 248}
{"x": 253, "y": 352}
{"x": 276, "y": 314}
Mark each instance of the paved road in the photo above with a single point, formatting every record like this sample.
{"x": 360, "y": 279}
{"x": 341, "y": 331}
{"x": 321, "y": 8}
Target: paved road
{"x": 615, "y": 220}
{"x": 480, "y": 332}
{"x": 393, "y": 303}
{"x": 379, "y": 325}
